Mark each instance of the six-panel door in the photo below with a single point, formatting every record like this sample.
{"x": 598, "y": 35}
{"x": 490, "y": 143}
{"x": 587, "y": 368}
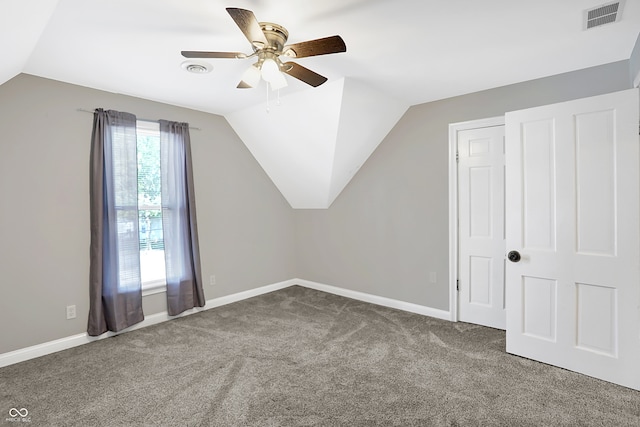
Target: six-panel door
{"x": 572, "y": 211}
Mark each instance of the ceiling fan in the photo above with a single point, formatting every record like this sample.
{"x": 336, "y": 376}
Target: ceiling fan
{"x": 268, "y": 43}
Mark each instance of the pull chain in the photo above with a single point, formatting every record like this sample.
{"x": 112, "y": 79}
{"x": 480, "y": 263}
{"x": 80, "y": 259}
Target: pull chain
{"x": 268, "y": 109}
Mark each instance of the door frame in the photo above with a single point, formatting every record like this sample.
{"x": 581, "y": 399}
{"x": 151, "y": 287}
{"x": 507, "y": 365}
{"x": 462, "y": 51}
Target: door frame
{"x": 454, "y": 128}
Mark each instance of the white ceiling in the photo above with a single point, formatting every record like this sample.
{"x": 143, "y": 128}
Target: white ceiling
{"x": 406, "y": 51}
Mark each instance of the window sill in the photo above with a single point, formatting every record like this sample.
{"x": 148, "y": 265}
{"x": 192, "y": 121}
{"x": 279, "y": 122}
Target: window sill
{"x": 155, "y": 287}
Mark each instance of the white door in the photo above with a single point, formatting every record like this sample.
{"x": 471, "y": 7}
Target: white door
{"x": 481, "y": 226}
{"x": 572, "y": 212}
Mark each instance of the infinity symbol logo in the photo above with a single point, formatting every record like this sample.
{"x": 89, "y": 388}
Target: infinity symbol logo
{"x": 13, "y": 412}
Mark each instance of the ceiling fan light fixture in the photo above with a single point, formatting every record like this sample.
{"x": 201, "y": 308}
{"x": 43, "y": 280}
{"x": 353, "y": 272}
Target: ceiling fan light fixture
{"x": 270, "y": 70}
{"x": 271, "y": 73}
{"x": 252, "y": 76}
{"x": 268, "y": 41}
{"x": 279, "y": 82}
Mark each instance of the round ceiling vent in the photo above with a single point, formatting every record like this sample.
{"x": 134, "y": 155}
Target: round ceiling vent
{"x": 196, "y": 67}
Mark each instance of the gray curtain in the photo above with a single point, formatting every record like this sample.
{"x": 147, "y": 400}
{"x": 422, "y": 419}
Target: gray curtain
{"x": 182, "y": 255}
{"x": 115, "y": 286}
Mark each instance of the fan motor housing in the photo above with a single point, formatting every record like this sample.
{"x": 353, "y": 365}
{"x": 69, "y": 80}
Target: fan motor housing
{"x": 275, "y": 34}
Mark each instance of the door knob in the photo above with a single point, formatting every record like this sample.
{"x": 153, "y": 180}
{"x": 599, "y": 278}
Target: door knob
{"x": 514, "y": 256}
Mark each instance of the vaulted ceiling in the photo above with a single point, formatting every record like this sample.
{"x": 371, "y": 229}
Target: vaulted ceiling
{"x": 399, "y": 53}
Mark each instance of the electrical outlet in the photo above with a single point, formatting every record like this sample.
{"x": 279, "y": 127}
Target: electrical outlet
{"x": 71, "y": 312}
{"x": 212, "y": 280}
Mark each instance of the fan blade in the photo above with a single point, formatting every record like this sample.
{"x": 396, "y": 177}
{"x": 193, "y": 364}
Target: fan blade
{"x": 327, "y": 45}
{"x": 199, "y": 54}
{"x": 248, "y": 24}
{"x": 304, "y": 74}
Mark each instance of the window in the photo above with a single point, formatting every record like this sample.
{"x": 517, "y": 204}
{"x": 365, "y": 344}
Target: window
{"x": 143, "y": 222}
{"x": 152, "y": 261}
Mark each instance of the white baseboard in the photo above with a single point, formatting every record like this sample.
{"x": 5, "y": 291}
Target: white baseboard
{"x": 43, "y": 349}
{"x": 374, "y": 299}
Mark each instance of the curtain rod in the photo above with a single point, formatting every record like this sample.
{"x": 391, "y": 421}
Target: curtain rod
{"x": 83, "y": 110}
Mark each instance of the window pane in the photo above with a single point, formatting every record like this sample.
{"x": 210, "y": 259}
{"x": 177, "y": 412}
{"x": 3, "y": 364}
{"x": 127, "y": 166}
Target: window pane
{"x": 148, "y": 170}
{"x": 150, "y": 226}
{"x": 152, "y": 264}
{"x": 123, "y": 159}
{"x": 128, "y": 271}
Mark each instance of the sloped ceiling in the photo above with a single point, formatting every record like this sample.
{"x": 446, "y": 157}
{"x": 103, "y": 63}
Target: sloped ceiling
{"x": 21, "y": 25}
{"x": 314, "y": 142}
{"x": 399, "y": 53}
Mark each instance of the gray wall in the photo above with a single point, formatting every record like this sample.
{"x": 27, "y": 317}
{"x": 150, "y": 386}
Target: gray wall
{"x": 634, "y": 61}
{"x": 246, "y": 227}
{"x": 383, "y": 235}
{"x": 389, "y": 227}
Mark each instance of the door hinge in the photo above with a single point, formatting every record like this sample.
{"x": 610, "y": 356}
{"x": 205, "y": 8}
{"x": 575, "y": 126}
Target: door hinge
{"x": 457, "y": 156}
{"x": 458, "y": 285}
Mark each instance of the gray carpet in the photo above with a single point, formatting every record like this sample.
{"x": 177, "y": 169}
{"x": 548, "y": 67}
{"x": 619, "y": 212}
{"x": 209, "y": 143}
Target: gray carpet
{"x": 299, "y": 357}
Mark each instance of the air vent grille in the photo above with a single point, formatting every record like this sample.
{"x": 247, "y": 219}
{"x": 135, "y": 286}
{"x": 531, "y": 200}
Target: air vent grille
{"x": 604, "y": 14}
{"x": 610, "y": 9}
